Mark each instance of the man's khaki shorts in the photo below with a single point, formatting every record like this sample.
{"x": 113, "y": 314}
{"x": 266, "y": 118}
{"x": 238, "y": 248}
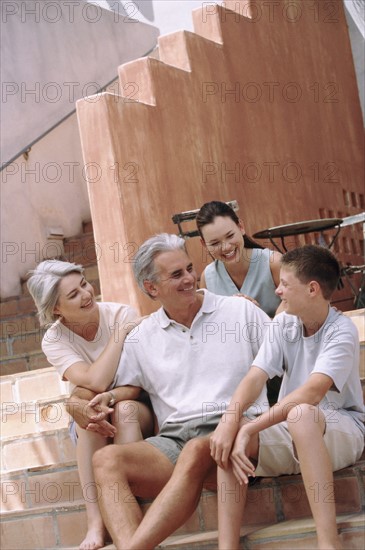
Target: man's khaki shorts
{"x": 173, "y": 436}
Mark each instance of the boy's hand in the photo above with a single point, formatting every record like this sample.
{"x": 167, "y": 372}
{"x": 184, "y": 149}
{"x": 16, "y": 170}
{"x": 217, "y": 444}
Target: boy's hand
{"x": 221, "y": 442}
{"x": 241, "y": 464}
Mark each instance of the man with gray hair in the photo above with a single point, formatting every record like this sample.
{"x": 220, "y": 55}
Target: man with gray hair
{"x": 190, "y": 355}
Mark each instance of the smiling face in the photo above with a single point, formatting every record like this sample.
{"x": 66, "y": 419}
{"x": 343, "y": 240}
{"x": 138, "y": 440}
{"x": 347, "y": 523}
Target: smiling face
{"x": 295, "y": 295}
{"x": 177, "y": 281}
{"x": 223, "y": 239}
{"x": 76, "y": 302}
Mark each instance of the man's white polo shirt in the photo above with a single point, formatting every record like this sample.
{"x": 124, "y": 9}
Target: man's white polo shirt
{"x": 191, "y": 373}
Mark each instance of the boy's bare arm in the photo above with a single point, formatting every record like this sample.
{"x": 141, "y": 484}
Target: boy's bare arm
{"x": 311, "y": 393}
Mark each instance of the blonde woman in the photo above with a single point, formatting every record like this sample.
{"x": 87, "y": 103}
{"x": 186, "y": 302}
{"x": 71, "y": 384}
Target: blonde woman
{"x": 84, "y": 343}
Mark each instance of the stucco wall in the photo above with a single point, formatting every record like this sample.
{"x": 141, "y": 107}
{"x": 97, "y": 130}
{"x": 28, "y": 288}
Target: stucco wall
{"x": 241, "y": 109}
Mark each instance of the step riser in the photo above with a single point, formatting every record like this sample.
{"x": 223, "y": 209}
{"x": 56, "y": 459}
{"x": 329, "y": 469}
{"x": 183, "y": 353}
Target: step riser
{"x": 55, "y": 529}
{"x": 52, "y": 448}
{"x": 275, "y": 500}
{"x": 32, "y": 386}
{"x": 19, "y": 419}
{"x": 67, "y": 527}
{"x": 41, "y": 489}
{"x": 353, "y": 539}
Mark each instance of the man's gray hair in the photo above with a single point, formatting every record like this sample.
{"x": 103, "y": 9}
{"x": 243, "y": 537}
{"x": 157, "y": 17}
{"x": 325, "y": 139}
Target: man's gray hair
{"x": 144, "y": 260}
{"x": 44, "y": 284}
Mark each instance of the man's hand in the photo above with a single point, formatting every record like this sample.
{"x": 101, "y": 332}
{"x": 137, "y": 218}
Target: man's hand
{"x": 221, "y": 442}
{"x": 241, "y": 464}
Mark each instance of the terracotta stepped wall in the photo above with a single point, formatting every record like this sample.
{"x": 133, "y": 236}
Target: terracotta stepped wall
{"x": 41, "y": 505}
{"x": 264, "y": 110}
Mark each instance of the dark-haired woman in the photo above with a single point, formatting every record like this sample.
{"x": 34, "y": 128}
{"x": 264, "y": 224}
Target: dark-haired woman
{"x": 240, "y": 265}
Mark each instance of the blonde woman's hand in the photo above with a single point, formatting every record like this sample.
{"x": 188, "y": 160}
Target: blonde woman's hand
{"x": 100, "y": 404}
{"x": 131, "y": 325}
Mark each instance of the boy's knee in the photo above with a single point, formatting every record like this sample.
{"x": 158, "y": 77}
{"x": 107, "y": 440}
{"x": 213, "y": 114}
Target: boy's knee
{"x": 304, "y": 416}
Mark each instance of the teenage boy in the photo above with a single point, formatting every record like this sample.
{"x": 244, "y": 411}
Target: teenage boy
{"x": 316, "y": 427}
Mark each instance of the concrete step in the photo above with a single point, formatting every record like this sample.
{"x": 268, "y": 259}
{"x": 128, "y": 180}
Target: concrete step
{"x": 44, "y": 528}
{"x": 32, "y": 418}
{"x": 48, "y": 448}
{"x": 30, "y": 489}
{"x": 299, "y": 534}
{"x": 37, "y": 385}
{"x": 286, "y": 535}
{"x": 54, "y": 493}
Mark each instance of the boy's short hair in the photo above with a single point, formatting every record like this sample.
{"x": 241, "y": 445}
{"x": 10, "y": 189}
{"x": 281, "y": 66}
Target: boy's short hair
{"x": 314, "y": 263}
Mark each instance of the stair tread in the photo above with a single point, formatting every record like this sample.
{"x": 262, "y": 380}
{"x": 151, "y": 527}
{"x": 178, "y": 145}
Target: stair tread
{"x": 297, "y": 528}
{"x": 288, "y": 529}
{"x": 49, "y": 468}
{"x": 304, "y": 525}
{"x": 9, "y": 515}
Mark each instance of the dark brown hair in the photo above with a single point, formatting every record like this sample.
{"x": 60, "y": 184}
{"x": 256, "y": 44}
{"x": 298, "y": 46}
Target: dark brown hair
{"x": 210, "y": 210}
{"x": 314, "y": 263}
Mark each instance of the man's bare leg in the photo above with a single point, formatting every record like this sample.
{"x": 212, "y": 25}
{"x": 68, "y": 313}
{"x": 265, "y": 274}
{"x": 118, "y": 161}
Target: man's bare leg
{"x": 121, "y": 472}
{"x": 306, "y": 425}
{"x": 179, "y": 498}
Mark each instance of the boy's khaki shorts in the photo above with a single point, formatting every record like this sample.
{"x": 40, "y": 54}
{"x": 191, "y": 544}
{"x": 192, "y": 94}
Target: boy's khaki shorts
{"x": 343, "y": 438}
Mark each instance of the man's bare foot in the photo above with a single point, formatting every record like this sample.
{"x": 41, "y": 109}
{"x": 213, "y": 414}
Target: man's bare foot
{"x": 94, "y": 539}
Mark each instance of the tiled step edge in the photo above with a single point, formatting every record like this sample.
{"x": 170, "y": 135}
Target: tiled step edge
{"x": 44, "y": 449}
{"x": 290, "y": 534}
{"x": 31, "y": 488}
{"x": 46, "y": 528}
{"x": 32, "y": 386}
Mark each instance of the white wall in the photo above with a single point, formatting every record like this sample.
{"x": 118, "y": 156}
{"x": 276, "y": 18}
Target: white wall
{"x": 50, "y": 58}
{"x": 44, "y": 191}
{"x": 36, "y": 52}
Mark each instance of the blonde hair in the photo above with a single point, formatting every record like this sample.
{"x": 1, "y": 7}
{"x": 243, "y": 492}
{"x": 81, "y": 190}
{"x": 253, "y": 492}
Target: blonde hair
{"x": 43, "y": 285}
